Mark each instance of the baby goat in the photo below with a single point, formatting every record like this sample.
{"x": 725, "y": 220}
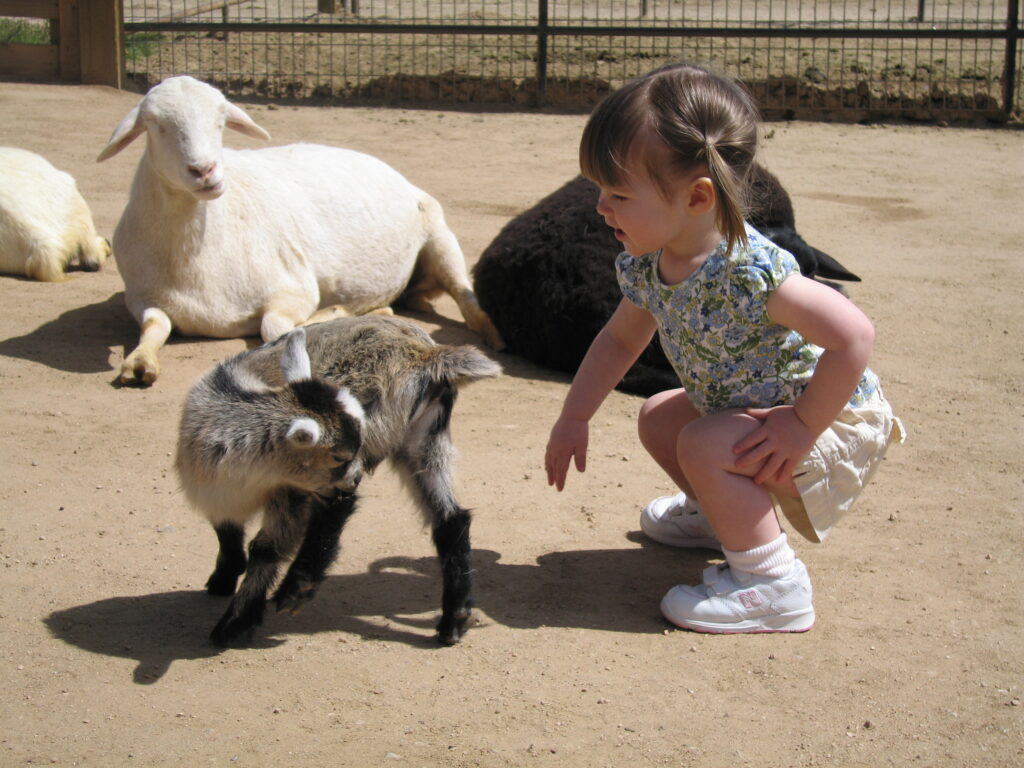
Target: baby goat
{"x": 290, "y": 428}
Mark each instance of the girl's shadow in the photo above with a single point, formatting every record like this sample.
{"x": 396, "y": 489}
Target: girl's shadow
{"x": 605, "y": 589}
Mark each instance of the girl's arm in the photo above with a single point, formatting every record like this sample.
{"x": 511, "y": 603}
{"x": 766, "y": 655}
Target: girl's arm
{"x": 825, "y": 317}
{"x": 626, "y": 334}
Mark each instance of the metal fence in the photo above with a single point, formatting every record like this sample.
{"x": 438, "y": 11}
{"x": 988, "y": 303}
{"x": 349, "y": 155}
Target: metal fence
{"x": 842, "y": 59}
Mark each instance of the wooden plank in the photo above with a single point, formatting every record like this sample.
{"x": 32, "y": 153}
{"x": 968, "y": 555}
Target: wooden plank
{"x": 28, "y": 62}
{"x": 219, "y": 5}
{"x": 101, "y": 37}
{"x": 69, "y": 33}
{"x": 30, "y": 9}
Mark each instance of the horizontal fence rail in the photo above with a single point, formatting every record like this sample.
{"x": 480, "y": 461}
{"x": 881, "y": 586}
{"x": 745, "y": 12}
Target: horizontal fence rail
{"x": 925, "y": 60}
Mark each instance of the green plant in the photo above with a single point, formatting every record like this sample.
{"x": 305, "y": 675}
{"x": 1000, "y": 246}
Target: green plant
{"x": 141, "y": 45}
{"x": 21, "y": 31}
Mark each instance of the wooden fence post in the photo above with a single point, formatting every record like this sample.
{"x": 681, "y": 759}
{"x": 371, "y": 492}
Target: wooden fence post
{"x": 101, "y": 38}
{"x": 68, "y": 32}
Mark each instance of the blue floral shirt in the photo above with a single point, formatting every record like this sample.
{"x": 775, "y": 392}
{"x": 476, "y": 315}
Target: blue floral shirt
{"x": 715, "y": 329}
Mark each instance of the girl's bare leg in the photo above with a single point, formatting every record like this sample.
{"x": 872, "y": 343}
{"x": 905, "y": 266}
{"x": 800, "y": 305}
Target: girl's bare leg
{"x": 661, "y": 420}
{"x": 740, "y": 510}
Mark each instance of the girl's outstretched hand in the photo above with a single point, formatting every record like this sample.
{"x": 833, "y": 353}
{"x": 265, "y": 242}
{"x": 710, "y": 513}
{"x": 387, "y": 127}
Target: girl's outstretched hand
{"x": 780, "y": 442}
{"x": 568, "y": 439}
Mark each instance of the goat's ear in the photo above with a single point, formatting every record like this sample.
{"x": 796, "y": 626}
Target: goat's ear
{"x": 241, "y": 122}
{"x": 295, "y": 359}
{"x": 350, "y": 405}
{"x": 303, "y": 433}
{"x": 127, "y": 131}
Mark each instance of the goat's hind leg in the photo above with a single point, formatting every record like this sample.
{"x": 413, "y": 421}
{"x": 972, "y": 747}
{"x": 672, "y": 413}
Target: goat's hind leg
{"x": 428, "y": 460}
{"x": 230, "y": 559}
{"x": 451, "y": 538}
{"x": 284, "y": 520}
{"x": 318, "y": 551}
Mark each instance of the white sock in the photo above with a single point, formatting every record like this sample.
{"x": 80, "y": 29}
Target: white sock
{"x": 774, "y": 559}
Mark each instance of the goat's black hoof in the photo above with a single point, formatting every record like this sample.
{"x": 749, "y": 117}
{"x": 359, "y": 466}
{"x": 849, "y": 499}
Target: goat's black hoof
{"x": 293, "y": 594}
{"x": 451, "y": 629}
{"x": 236, "y": 629}
{"x": 221, "y": 584}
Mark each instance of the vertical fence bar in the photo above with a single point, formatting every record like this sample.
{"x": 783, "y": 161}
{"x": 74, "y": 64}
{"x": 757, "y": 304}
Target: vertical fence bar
{"x": 542, "y": 51}
{"x": 1010, "y": 67}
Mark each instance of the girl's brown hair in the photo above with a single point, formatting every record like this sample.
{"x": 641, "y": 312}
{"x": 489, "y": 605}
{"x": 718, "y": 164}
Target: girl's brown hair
{"x": 700, "y": 117}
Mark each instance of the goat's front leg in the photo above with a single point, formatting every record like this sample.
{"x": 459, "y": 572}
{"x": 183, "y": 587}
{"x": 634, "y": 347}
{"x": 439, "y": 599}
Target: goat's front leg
{"x": 230, "y": 559}
{"x": 318, "y": 551}
{"x": 283, "y": 522}
{"x": 142, "y": 366}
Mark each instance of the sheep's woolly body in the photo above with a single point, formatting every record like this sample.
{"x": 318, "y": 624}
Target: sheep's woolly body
{"x": 300, "y": 219}
{"x": 45, "y": 224}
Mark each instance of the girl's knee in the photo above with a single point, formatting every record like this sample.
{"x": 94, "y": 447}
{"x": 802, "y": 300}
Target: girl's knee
{"x": 708, "y": 442}
{"x": 647, "y": 426}
{"x": 664, "y": 413}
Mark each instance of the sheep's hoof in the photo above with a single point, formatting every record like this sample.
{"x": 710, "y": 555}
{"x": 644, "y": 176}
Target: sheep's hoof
{"x": 492, "y": 338}
{"x": 293, "y": 594}
{"x": 139, "y": 372}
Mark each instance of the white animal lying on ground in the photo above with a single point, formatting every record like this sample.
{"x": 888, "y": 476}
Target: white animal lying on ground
{"x": 225, "y": 243}
{"x": 45, "y": 224}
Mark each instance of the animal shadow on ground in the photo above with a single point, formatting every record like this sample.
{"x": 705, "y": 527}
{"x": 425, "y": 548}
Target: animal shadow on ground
{"x": 395, "y": 601}
{"x": 80, "y": 340}
{"x": 77, "y": 341}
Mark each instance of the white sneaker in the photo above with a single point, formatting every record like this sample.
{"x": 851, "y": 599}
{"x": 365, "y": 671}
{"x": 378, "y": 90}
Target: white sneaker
{"x": 734, "y": 601}
{"x": 678, "y": 522}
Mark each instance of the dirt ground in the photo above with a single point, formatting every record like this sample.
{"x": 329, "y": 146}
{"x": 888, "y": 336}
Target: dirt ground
{"x": 918, "y": 654}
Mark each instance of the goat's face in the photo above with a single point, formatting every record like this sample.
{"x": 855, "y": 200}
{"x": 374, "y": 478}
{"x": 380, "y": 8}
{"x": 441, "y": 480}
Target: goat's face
{"x": 184, "y": 121}
{"x": 318, "y": 444}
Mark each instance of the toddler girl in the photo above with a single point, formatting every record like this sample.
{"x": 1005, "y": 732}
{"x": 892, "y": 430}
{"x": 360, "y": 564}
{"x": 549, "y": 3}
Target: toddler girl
{"x": 777, "y": 401}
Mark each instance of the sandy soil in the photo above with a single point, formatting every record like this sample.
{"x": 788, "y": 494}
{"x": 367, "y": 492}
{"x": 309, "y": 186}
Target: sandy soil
{"x": 917, "y": 655}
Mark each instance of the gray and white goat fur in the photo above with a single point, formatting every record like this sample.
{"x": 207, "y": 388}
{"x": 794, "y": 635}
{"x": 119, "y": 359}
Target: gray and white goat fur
{"x": 289, "y": 429}
{"x": 227, "y": 243}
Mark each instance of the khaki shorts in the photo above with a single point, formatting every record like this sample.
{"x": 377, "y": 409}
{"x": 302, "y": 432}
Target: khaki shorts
{"x": 836, "y": 469}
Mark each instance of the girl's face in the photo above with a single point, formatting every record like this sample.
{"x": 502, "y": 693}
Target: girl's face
{"x": 643, "y": 219}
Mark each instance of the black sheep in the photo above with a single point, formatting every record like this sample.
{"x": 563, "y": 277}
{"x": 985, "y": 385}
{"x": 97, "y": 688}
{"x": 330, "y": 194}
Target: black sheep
{"x": 548, "y": 278}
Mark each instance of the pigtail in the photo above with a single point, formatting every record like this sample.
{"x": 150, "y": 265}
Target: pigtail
{"x": 730, "y": 189}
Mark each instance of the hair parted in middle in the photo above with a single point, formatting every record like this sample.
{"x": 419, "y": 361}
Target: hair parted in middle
{"x": 701, "y": 118}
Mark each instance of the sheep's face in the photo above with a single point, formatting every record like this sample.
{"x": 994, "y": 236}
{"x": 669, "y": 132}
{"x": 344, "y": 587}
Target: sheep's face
{"x": 185, "y": 127}
{"x": 184, "y": 121}
{"x": 319, "y": 444}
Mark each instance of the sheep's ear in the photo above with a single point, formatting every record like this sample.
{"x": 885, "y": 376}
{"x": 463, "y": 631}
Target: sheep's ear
{"x": 295, "y": 359}
{"x": 127, "y": 131}
{"x": 303, "y": 433}
{"x": 350, "y": 405}
{"x": 241, "y": 122}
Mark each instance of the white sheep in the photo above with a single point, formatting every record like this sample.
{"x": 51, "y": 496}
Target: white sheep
{"x": 227, "y": 243}
{"x": 45, "y": 224}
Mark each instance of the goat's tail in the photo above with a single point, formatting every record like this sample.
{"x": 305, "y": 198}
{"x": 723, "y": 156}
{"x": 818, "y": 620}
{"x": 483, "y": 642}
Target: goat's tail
{"x": 462, "y": 364}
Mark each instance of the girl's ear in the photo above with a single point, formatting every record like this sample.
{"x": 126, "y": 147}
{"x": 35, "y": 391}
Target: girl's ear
{"x": 701, "y": 197}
